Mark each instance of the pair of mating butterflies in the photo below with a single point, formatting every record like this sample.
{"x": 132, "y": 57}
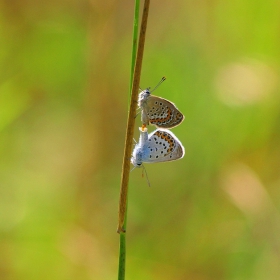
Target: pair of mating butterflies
{"x": 161, "y": 145}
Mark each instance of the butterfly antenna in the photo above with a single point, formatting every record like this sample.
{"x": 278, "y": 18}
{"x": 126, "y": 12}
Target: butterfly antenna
{"x": 148, "y": 181}
{"x": 162, "y": 80}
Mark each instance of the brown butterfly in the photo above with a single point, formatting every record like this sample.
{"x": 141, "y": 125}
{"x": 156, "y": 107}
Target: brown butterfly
{"x": 158, "y": 111}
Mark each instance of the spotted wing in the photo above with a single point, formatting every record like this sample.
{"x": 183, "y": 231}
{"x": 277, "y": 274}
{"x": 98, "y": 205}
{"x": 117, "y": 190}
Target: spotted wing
{"x": 162, "y": 113}
{"x": 162, "y": 145}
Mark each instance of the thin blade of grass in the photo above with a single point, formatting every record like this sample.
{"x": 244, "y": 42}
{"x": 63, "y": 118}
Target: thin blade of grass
{"x": 134, "y": 86}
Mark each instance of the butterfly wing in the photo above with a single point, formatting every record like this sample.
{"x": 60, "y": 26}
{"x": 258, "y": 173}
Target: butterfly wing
{"x": 162, "y": 145}
{"x": 161, "y": 112}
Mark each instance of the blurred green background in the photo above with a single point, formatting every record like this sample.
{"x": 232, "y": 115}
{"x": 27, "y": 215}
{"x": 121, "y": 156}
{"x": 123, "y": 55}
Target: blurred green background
{"x": 64, "y": 81}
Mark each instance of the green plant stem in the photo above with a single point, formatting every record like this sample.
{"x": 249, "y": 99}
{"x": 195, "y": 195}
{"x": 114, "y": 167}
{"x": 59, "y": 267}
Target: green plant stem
{"x": 131, "y": 119}
{"x": 134, "y": 41}
{"x": 130, "y": 128}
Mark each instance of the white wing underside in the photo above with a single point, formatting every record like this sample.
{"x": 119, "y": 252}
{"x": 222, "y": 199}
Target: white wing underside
{"x": 162, "y": 145}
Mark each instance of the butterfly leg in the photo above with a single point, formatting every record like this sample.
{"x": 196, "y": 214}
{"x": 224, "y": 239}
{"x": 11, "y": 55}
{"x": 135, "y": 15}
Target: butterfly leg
{"x": 137, "y": 113}
{"x": 132, "y": 168}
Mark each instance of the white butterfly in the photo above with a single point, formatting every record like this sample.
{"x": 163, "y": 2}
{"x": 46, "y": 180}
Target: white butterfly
{"x": 159, "y": 146}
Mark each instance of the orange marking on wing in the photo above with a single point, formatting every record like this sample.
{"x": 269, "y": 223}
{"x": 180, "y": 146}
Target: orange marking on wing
{"x": 162, "y": 119}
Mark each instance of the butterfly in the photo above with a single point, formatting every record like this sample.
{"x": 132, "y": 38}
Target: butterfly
{"x": 158, "y": 111}
{"x": 159, "y": 146}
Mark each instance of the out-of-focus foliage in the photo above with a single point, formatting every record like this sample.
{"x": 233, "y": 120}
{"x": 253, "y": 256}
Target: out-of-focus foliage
{"x": 63, "y": 105}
